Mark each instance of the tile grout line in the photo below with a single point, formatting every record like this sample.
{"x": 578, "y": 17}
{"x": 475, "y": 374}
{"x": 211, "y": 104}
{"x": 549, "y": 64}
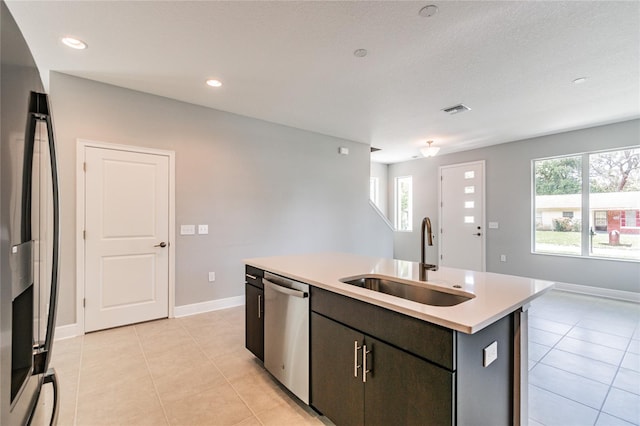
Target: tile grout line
{"x": 576, "y": 324}
{"x": 223, "y": 375}
{"x": 614, "y": 379}
{"x": 146, "y": 362}
{"x": 540, "y": 361}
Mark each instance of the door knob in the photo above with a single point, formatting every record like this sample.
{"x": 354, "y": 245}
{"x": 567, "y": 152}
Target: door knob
{"x": 162, "y": 244}
{"x": 478, "y": 234}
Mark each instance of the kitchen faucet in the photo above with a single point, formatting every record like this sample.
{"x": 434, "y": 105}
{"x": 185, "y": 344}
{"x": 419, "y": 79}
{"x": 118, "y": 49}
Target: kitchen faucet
{"x": 424, "y": 267}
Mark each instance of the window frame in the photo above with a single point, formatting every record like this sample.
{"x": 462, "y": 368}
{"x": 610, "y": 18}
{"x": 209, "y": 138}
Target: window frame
{"x": 397, "y": 207}
{"x": 374, "y": 190}
{"x": 585, "y": 213}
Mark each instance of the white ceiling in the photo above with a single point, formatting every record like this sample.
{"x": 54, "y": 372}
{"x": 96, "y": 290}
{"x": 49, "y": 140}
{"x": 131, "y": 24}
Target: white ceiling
{"x": 292, "y": 63}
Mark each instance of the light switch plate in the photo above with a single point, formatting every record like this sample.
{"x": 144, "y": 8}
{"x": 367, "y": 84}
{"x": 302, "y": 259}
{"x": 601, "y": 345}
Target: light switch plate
{"x": 493, "y": 225}
{"x": 490, "y": 354}
{"x": 187, "y": 229}
{"x": 203, "y": 229}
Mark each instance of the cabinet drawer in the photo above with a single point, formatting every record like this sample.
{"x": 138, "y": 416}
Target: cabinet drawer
{"x": 254, "y": 276}
{"x": 429, "y": 341}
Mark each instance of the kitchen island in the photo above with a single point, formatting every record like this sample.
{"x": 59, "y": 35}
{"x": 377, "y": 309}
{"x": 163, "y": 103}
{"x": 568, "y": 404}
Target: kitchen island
{"x": 380, "y": 359}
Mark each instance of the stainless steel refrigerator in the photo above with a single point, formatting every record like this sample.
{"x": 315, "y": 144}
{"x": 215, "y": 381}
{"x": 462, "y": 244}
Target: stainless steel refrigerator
{"x": 28, "y": 231}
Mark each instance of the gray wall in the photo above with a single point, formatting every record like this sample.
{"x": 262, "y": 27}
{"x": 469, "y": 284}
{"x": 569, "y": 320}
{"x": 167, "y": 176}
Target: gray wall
{"x": 263, "y": 189}
{"x": 508, "y": 201}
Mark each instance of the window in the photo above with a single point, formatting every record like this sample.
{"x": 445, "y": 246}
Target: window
{"x": 404, "y": 203}
{"x": 614, "y": 188}
{"x": 599, "y": 189}
{"x": 374, "y": 191}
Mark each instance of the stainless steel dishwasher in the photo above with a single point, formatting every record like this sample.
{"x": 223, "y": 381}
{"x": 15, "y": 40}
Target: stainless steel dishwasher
{"x": 286, "y": 333}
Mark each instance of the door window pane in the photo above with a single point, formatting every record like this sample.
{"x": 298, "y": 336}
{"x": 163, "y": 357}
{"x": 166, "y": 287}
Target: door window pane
{"x": 469, "y": 189}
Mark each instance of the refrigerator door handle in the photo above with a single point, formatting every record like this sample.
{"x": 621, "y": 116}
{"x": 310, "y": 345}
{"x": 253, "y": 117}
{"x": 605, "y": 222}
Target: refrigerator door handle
{"x": 50, "y": 377}
{"x": 39, "y": 111}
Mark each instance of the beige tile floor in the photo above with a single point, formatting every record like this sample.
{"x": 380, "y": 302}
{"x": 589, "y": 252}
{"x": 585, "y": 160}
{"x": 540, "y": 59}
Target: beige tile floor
{"x": 184, "y": 371}
{"x": 196, "y": 371}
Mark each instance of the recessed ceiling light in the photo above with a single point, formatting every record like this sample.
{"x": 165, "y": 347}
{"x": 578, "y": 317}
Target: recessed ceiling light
{"x": 580, "y": 80}
{"x": 360, "y": 53}
{"x": 74, "y": 43}
{"x": 428, "y": 11}
{"x": 214, "y": 83}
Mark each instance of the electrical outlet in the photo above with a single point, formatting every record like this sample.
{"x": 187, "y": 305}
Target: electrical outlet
{"x": 490, "y": 354}
{"x": 203, "y": 229}
{"x": 503, "y": 258}
{"x": 212, "y": 277}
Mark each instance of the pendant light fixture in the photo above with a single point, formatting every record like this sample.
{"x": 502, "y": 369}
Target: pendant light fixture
{"x": 429, "y": 151}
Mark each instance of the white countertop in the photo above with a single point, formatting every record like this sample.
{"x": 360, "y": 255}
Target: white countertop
{"x": 495, "y": 295}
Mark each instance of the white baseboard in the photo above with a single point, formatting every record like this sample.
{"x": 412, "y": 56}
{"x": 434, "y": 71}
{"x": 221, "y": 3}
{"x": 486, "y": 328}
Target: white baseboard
{"x": 68, "y": 331}
{"x": 73, "y": 330}
{"x": 628, "y": 296}
{"x": 211, "y": 305}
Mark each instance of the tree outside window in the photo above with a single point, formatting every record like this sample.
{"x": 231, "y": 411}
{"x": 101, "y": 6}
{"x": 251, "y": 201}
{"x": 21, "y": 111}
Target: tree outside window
{"x": 610, "y": 189}
{"x": 558, "y": 201}
{"x": 614, "y": 193}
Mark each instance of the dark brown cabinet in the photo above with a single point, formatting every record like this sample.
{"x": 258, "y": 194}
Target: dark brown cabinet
{"x": 335, "y": 390}
{"x": 357, "y": 379}
{"x": 254, "y": 312}
{"x": 417, "y": 373}
{"x": 374, "y": 366}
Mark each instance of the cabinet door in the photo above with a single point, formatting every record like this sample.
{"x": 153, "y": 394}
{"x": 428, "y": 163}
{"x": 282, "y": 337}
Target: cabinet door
{"x": 403, "y": 389}
{"x": 254, "y": 320}
{"x": 335, "y": 391}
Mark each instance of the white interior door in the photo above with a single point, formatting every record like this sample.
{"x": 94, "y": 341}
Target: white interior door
{"x": 462, "y": 216}
{"x": 126, "y": 239}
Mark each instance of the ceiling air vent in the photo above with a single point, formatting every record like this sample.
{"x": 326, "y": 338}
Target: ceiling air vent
{"x": 457, "y": 109}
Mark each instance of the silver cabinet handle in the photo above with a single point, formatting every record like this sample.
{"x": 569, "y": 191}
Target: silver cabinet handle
{"x": 285, "y": 290}
{"x": 259, "y": 304}
{"x": 251, "y": 276}
{"x": 356, "y": 348}
{"x": 364, "y": 363}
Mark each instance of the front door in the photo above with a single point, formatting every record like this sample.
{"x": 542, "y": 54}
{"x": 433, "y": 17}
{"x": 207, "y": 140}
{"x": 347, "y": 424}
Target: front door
{"x": 126, "y": 237}
{"x": 462, "y": 216}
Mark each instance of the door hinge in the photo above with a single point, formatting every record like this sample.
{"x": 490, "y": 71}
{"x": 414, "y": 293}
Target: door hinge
{"x": 84, "y": 166}
{"x": 84, "y": 303}
{"x": 440, "y": 257}
{"x": 84, "y": 234}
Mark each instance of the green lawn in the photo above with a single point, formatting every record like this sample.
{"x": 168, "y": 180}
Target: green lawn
{"x": 569, "y": 243}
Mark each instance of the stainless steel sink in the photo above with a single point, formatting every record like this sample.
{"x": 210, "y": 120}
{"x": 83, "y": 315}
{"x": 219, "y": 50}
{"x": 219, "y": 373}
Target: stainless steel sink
{"x": 414, "y": 292}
